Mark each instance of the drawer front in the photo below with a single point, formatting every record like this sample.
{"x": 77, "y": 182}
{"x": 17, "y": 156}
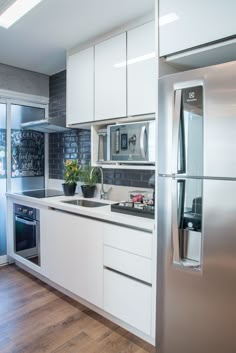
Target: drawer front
{"x": 133, "y": 265}
{"x": 131, "y": 240}
{"x": 128, "y": 300}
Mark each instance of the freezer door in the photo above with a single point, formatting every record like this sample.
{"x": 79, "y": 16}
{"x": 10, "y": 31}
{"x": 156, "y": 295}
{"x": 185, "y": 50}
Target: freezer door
{"x": 196, "y": 310}
{"x": 206, "y": 119}
{"x": 186, "y": 135}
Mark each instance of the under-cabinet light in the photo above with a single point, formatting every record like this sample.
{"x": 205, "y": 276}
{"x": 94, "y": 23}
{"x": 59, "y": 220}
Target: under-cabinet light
{"x": 17, "y": 10}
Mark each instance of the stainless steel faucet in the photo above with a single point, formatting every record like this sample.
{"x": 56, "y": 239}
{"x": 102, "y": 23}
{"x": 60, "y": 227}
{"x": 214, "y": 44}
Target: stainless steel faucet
{"x": 103, "y": 193}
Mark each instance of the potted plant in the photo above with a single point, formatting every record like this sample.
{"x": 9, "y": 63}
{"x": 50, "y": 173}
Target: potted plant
{"x": 88, "y": 176}
{"x": 71, "y": 176}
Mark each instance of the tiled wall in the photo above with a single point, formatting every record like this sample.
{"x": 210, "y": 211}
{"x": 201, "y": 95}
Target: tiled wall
{"x": 75, "y": 144}
{"x": 57, "y": 94}
{"x": 128, "y": 177}
{"x": 72, "y": 144}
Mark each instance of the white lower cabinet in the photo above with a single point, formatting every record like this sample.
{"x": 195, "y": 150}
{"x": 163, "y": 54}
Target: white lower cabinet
{"x": 131, "y": 240}
{"x": 72, "y": 254}
{"x": 128, "y": 276}
{"x": 128, "y": 300}
{"x": 133, "y": 265}
{"x": 108, "y": 265}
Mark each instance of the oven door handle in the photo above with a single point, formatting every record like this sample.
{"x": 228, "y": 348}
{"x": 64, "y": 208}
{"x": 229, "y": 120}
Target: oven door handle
{"x": 24, "y": 221}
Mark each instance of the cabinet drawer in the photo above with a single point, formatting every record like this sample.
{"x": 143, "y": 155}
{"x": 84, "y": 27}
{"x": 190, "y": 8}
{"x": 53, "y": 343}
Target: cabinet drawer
{"x": 128, "y": 300}
{"x": 131, "y": 240}
{"x": 130, "y": 264}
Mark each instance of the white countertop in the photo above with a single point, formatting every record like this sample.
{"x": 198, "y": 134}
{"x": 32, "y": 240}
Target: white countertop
{"x": 103, "y": 213}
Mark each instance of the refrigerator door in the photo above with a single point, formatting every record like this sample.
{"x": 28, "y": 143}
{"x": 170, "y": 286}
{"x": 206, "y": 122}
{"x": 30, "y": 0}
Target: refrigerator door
{"x": 187, "y": 223}
{"x": 197, "y": 118}
{"x": 196, "y": 308}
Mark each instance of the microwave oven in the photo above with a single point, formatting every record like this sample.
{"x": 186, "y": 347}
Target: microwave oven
{"x": 131, "y": 143}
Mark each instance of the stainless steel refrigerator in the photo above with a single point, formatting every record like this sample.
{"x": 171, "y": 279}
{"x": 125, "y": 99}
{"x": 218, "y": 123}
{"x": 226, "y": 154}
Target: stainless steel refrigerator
{"x": 196, "y": 260}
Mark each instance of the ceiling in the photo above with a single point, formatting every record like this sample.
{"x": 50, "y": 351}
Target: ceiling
{"x": 39, "y": 40}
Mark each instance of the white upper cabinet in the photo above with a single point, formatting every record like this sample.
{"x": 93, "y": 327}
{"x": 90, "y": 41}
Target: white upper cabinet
{"x": 141, "y": 69}
{"x": 80, "y": 87}
{"x": 110, "y": 78}
{"x": 186, "y": 24}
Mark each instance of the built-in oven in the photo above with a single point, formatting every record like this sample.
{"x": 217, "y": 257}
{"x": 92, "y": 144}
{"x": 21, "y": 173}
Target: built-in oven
{"x": 27, "y": 233}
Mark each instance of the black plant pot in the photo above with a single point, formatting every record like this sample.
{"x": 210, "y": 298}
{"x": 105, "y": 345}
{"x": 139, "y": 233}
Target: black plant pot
{"x": 69, "y": 189}
{"x": 88, "y": 190}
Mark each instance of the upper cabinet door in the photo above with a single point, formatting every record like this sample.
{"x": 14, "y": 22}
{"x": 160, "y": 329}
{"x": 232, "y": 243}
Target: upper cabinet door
{"x": 110, "y": 78}
{"x": 141, "y": 70}
{"x": 80, "y": 87}
{"x": 186, "y": 24}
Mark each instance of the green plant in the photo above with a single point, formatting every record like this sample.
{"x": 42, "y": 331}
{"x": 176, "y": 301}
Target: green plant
{"x": 72, "y": 171}
{"x": 88, "y": 175}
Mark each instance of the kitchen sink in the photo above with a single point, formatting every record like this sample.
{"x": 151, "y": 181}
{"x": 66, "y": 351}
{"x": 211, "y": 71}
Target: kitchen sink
{"x": 86, "y": 203}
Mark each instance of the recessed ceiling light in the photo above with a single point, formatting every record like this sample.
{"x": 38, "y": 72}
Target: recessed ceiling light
{"x": 17, "y": 10}
{"x": 170, "y": 17}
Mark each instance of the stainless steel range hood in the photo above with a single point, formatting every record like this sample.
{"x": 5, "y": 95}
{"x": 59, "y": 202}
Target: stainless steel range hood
{"x": 48, "y": 125}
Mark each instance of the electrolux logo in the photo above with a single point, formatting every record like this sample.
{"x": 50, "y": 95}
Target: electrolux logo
{"x": 191, "y": 97}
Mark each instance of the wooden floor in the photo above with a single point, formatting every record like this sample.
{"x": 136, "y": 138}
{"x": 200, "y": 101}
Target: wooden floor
{"x": 35, "y": 318}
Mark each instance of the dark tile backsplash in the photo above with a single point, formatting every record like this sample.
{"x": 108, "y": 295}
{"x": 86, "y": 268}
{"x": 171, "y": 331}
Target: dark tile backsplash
{"x": 75, "y": 144}
{"x": 128, "y": 177}
{"x": 72, "y": 144}
{"x": 57, "y": 94}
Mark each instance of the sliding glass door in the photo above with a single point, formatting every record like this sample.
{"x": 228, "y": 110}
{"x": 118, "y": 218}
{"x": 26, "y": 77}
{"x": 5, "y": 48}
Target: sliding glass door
{"x": 27, "y": 149}
{"x": 22, "y": 159}
{"x": 3, "y": 181}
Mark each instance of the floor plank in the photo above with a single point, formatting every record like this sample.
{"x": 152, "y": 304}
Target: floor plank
{"x": 36, "y": 318}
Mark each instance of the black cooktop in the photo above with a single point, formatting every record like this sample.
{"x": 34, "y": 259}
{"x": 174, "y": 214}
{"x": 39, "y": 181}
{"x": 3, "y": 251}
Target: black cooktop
{"x": 40, "y": 194}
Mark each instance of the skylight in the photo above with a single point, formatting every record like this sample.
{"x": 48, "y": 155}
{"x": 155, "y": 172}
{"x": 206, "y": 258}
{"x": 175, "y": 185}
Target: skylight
{"x": 15, "y": 11}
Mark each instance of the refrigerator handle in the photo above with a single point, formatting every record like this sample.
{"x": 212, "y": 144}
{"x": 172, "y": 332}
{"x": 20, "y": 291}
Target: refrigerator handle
{"x": 178, "y": 232}
{"x": 176, "y": 127}
{"x": 177, "y": 204}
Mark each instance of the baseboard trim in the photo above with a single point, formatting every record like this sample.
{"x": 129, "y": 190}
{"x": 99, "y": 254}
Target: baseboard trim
{"x": 3, "y": 260}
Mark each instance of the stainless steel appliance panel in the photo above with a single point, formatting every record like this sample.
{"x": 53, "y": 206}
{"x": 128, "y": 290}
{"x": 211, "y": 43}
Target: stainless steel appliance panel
{"x": 219, "y": 123}
{"x": 196, "y": 309}
{"x": 132, "y": 142}
{"x": 102, "y": 145}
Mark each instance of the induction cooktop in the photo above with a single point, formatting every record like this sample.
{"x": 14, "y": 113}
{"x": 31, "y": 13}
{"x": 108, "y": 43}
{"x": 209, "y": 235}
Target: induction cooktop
{"x": 42, "y": 193}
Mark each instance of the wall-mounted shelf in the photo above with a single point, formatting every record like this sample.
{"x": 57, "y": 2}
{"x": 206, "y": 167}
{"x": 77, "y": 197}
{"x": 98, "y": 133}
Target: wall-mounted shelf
{"x": 127, "y": 119}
